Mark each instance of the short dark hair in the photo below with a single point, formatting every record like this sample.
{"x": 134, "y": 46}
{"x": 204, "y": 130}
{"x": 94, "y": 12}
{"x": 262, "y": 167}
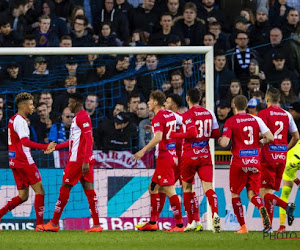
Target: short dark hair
{"x": 177, "y": 99}
{"x": 23, "y": 96}
{"x": 194, "y": 95}
{"x": 240, "y": 102}
{"x": 190, "y": 6}
{"x": 158, "y": 96}
{"x": 77, "y": 97}
{"x": 241, "y": 32}
{"x": 254, "y": 77}
{"x": 66, "y": 37}
{"x": 40, "y": 104}
{"x": 209, "y": 34}
{"x": 4, "y": 21}
{"x": 133, "y": 95}
{"x": 273, "y": 94}
{"x": 84, "y": 18}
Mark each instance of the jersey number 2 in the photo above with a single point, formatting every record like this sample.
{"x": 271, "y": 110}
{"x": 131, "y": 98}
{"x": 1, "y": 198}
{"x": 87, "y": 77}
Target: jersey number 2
{"x": 172, "y": 125}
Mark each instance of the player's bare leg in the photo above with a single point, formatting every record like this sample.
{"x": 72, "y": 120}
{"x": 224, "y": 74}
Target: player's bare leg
{"x": 213, "y": 202}
{"x": 39, "y": 203}
{"x": 62, "y": 201}
{"x": 257, "y": 201}
{"x": 93, "y": 203}
{"x": 239, "y": 213}
{"x": 14, "y": 202}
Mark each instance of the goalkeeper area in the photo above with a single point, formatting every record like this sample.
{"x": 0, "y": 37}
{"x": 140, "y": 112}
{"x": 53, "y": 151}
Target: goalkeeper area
{"x": 145, "y": 240}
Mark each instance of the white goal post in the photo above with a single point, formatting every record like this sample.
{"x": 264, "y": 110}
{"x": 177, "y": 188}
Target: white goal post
{"x": 209, "y": 69}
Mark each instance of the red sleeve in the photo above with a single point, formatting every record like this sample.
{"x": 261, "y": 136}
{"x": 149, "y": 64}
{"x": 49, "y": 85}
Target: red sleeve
{"x": 157, "y": 123}
{"x": 88, "y": 145}
{"x": 85, "y": 124}
{"x": 62, "y": 145}
{"x": 227, "y": 131}
{"x": 215, "y": 133}
{"x": 27, "y": 143}
{"x": 191, "y": 133}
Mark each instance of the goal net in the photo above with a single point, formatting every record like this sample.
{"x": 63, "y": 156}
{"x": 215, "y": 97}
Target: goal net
{"x": 100, "y": 74}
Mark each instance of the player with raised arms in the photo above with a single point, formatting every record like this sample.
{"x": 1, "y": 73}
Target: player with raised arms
{"x": 244, "y": 131}
{"x": 79, "y": 167}
{"x": 273, "y": 155}
{"x": 163, "y": 123}
{"x": 199, "y": 126}
{"x": 21, "y": 162}
{"x": 174, "y": 103}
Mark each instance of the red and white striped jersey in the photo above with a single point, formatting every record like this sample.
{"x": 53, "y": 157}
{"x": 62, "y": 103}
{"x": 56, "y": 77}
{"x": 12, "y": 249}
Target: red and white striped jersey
{"x": 81, "y": 138}
{"x": 19, "y": 155}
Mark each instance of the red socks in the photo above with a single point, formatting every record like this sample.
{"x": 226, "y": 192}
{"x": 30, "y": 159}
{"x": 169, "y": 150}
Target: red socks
{"x": 196, "y": 212}
{"x": 162, "y": 197}
{"x": 238, "y": 210}
{"x": 39, "y": 208}
{"x": 270, "y": 210}
{"x": 213, "y": 201}
{"x": 93, "y": 202}
{"x": 257, "y": 201}
{"x": 189, "y": 205}
{"x": 11, "y": 204}
{"x": 155, "y": 206}
{"x": 275, "y": 200}
{"x": 63, "y": 198}
{"x": 176, "y": 208}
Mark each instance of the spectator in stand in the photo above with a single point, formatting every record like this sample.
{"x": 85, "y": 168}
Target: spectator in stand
{"x": 71, "y": 69}
{"x": 32, "y": 15}
{"x": 12, "y": 74}
{"x": 123, "y": 6}
{"x": 177, "y": 81}
{"x": 254, "y": 71}
{"x": 142, "y": 111}
{"x": 161, "y": 37}
{"x": 61, "y": 101}
{"x": 260, "y": 32}
{"x": 59, "y": 132}
{"x": 129, "y": 88}
{"x": 91, "y": 107}
{"x": 58, "y": 26}
{"x": 278, "y": 13}
{"x": 63, "y": 8}
{"x": 287, "y": 96}
{"x": 276, "y": 46}
{"x": 119, "y": 107}
{"x": 58, "y": 61}
{"x": 80, "y": 34}
{"x": 45, "y": 37}
{"x": 46, "y": 97}
{"x": 122, "y": 64}
{"x": 222, "y": 75}
{"x": 117, "y": 19}
{"x": 294, "y": 45}
{"x": 16, "y": 13}
{"x": 145, "y": 82}
{"x": 43, "y": 124}
{"x": 145, "y": 134}
{"x": 143, "y": 17}
{"x": 248, "y": 14}
{"x": 239, "y": 57}
{"x": 107, "y": 37}
{"x": 294, "y": 110}
{"x": 235, "y": 89}
{"x": 27, "y": 62}
{"x": 173, "y": 7}
{"x": 133, "y": 102}
{"x": 41, "y": 73}
{"x": 190, "y": 77}
{"x": 117, "y": 134}
{"x": 222, "y": 38}
{"x": 8, "y": 36}
{"x": 252, "y": 103}
{"x": 137, "y": 39}
{"x": 289, "y": 28}
{"x": 279, "y": 72}
{"x": 209, "y": 39}
{"x": 190, "y": 28}
{"x": 87, "y": 63}
{"x": 210, "y": 13}
{"x": 253, "y": 85}
{"x": 222, "y": 114}
{"x": 97, "y": 73}
{"x": 3, "y": 133}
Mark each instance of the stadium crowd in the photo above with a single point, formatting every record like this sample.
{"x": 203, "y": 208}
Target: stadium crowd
{"x": 256, "y": 45}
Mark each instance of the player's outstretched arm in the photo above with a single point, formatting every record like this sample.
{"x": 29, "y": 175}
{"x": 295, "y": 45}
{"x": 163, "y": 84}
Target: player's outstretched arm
{"x": 224, "y": 141}
{"x": 50, "y": 148}
{"x": 190, "y": 133}
{"x": 62, "y": 145}
{"x": 28, "y": 143}
{"x": 267, "y": 137}
{"x": 154, "y": 141}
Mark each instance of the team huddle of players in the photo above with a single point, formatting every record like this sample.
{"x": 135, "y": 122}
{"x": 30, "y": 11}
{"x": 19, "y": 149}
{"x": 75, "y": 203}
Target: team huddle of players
{"x": 259, "y": 151}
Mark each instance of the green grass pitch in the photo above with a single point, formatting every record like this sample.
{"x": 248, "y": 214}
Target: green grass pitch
{"x": 140, "y": 240}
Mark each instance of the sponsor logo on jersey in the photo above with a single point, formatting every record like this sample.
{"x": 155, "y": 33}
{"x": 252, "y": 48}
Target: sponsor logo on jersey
{"x": 278, "y": 156}
{"x": 86, "y": 124}
{"x": 250, "y": 119}
{"x": 200, "y": 151}
{"x": 278, "y": 148}
{"x": 248, "y": 161}
{"x": 278, "y": 113}
{"x": 188, "y": 121}
{"x": 199, "y": 144}
{"x": 225, "y": 129}
{"x": 12, "y": 154}
{"x": 157, "y": 124}
{"x": 171, "y": 146}
{"x": 248, "y": 152}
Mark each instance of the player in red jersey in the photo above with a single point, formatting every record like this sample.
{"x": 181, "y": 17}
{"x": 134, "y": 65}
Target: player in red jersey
{"x": 273, "y": 155}
{"x": 200, "y": 125}
{"x": 79, "y": 167}
{"x": 174, "y": 103}
{"x": 244, "y": 130}
{"x": 21, "y": 162}
{"x": 163, "y": 179}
